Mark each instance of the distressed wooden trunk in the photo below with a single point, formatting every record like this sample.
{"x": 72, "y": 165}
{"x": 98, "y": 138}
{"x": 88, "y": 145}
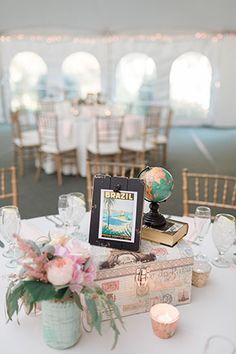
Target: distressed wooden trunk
{"x": 137, "y": 280}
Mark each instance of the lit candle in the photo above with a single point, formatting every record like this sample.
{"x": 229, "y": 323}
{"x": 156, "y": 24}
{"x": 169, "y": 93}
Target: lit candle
{"x": 201, "y": 271}
{"x": 164, "y": 320}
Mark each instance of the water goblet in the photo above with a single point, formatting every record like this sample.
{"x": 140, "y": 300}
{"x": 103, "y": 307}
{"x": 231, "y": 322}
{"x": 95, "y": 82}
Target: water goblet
{"x": 219, "y": 344}
{"x": 10, "y": 226}
{"x": 63, "y": 209}
{"x": 202, "y": 222}
{"x": 223, "y": 235}
{"x": 77, "y": 210}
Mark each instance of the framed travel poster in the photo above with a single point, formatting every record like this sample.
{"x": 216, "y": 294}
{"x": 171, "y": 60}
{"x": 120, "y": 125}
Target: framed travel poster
{"x": 116, "y": 215}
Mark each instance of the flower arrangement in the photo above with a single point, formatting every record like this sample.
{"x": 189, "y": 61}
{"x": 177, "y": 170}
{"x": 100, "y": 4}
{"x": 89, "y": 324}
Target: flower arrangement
{"x": 59, "y": 270}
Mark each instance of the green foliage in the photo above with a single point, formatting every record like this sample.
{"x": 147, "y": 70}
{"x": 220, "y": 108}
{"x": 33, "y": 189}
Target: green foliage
{"x": 97, "y": 302}
{"x": 77, "y": 300}
{"x": 30, "y": 292}
{"x": 34, "y": 246}
{"x": 14, "y": 293}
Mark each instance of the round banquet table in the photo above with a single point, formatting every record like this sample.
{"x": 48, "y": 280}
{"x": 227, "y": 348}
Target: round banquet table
{"x": 212, "y": 311}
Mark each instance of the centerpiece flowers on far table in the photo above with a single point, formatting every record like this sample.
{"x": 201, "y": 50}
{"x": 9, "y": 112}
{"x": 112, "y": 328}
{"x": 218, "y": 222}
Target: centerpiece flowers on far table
{"x": 60, "y": 275}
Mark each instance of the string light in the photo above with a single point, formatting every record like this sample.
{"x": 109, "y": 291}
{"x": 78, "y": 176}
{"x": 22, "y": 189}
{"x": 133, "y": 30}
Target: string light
{"x": 50, "y": 39}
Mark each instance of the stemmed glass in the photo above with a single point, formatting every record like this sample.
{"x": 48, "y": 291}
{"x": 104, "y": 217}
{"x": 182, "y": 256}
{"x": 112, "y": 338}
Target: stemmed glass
{"x": 63, "y": 209}
{"x": 10, "y": 226}
{"x": 219, "y": 345}
{"x": 77, "y": 210}
{"x": 202, "y": 222}
{"x": 223, "y": 235}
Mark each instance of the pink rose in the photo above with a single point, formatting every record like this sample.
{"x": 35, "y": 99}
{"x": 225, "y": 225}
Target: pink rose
{"x": 60, "y": 271}
{"x": 60, "y": 251}
{"x": 77, "y": 248}
{"x": 78, "y": 275}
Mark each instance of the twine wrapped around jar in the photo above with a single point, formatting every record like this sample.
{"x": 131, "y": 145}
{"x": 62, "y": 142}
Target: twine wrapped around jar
{"x": 61, "y": 323}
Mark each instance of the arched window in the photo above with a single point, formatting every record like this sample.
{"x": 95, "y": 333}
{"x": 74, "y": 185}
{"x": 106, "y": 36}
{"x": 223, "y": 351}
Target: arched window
{"x": 28, "y": 76}
{"x": 136, "y": 79}
{"x": 81, "y": 75}
{"x": 190, "y": 84}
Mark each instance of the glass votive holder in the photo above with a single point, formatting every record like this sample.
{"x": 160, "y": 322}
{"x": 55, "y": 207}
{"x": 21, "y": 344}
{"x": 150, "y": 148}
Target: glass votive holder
{"x": 164, "y": 320}
{"x": 201, "y": 271}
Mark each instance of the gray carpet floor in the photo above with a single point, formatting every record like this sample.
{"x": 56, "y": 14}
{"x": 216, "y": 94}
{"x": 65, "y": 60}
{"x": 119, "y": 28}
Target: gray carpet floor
{"x": 202, "y": 149}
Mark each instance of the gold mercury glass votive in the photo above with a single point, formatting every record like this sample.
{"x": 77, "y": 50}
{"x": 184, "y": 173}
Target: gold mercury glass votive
{"x": 164, "y": 320}
{"x": 201, "y": 271}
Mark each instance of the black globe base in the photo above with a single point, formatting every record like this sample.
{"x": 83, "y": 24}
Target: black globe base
{"x": 154, "y": 218}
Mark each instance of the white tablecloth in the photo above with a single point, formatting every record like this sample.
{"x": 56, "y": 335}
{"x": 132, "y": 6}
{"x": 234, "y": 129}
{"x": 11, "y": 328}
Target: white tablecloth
{"x": 212, "y": 311}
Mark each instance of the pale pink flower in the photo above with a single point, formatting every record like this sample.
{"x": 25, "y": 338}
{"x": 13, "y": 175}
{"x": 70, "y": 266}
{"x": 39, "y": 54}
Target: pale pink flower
{"x": 76, "y": 248}
{"x": 60, "y": 251}
{"x": 78, "y": 275}
{"x": 88, "y": 278}
{"x": 59, "y": 240}
{"x": 60, "y": 271}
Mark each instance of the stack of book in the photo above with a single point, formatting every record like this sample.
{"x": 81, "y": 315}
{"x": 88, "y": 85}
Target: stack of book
{"x": 168, "y": 235}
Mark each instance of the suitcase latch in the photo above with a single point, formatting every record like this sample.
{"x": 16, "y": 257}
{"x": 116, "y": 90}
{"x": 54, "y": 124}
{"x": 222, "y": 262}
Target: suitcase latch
{"x": 142, "y": 276}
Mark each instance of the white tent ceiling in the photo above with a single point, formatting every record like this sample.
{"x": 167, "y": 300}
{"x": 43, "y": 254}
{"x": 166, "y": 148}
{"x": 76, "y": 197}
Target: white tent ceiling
{"x": 100, "y": 16}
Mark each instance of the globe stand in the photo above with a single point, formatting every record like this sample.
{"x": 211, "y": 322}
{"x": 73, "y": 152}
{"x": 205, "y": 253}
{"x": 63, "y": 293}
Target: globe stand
{"x": 154, "y": 218}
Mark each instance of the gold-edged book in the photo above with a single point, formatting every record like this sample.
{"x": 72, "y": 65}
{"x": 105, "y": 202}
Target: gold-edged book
{"x": 168, "y": 235}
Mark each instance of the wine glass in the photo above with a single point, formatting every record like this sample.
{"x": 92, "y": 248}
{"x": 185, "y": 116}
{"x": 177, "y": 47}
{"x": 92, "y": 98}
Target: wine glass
{"x": 219, "y": 345}
{"x": 10, "y": 226}
{"x": 223, "y": 234}
{"x": 77, "y": 210}
{"x": 63, "y": 209}
{"x": 202, "y": 222}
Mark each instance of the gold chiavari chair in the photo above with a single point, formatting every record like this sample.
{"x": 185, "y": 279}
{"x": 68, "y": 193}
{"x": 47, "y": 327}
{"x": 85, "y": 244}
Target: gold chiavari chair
{"x": 8, "y": 185}
{"x": 162, "y": 139}
{"x": 137, "y": 148}
{"x": 25, "y": 138}
{"x": 48, "y": 126}
{"x": 215, "y": 191}
{"x": 109, "y": 168}
{"x": 106, "y": 144}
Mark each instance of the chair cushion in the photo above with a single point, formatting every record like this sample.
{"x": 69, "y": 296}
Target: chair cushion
{"x": 161, "y": 139}
{"x": 29, "y": 138}
{"x": 136, "y": 145}
{"x": 51, "y": 149}
{"x": 104, "y": 149}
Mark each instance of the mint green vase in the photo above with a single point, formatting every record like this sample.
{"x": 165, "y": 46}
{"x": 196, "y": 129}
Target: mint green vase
{"x": 61, "y": 323}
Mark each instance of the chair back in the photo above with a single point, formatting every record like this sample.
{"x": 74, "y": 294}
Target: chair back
{"x": 8, "y": 186}
{"x": 108, "y": 131}
{"x": 166, "y": 121}
{"x": 48, "y": 130}
{"x": 109, "y": 168}
{"x": 215, "y": 191}
{"x": 23, "y": 123}
{"x": 47, "y": 106}
{"x": 16, "y": 127}
{"x": 163, "y": 116}
{"x": 151, "y": 125}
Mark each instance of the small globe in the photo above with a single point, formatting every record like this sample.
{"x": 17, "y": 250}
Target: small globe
{"x": 159, "y": 184}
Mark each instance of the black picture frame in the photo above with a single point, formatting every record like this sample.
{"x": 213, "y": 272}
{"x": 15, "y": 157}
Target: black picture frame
{"x": 132, "y": 192}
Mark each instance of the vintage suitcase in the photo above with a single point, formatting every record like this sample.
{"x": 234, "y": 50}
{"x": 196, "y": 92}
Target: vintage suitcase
{"x": 137, "y": 280}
